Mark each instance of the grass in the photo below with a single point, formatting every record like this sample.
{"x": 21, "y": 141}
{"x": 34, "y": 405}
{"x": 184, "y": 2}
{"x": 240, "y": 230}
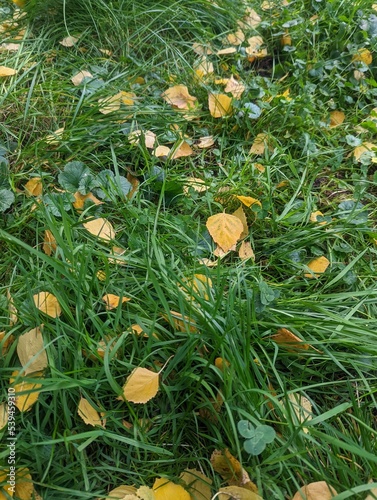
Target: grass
{"x": 309, "y": 167}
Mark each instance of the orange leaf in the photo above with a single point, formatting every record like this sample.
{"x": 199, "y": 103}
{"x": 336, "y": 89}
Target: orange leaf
{"x": 34, "y": 186}
{"x": 225, "y": 230}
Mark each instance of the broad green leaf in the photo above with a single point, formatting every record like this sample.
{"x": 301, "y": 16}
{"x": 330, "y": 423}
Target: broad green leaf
{"x": 6, "y": 199}
{"x": 73, "y": 174}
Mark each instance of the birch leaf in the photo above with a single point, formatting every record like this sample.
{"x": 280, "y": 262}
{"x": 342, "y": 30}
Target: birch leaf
{"x": 79, "y": 77}
{"x": 319, "y": 490}
{"x": 141, "y": 386}
{"x": 25, "y": 401}
{"x": 198, "y": 485}
{"x": 101, "y": 228}
{"x": 237, "y": 493}
{"x": 31, "y": 351}
{"x": 259, "y": 144}
{"x": 5, "y": 71}
{"x": 240, "y": 214}
{"x": 69, "y": 41}
{"x": 179, "y": 97}
{"x": 166, "y": 490}
{"x": 219, "y": 105}
{"x": 286, "y": 338}
{"x": 47, "y": 303}
{"x": 248, "y": 200}
{"x": 225, "y": 230}
{"x": 246, "y": 251}
{"x": 230, "y": 469}
{"x": 302, "y": 408}
{"x": 34, "y": 187}
{"x": 112, "y": 301}
{"x": 121, "y": 491}
{"x": 336, "y": 118}
{"x": 318, "y": 266}
{"x": 89, "y": 414}
{"x": 206, "y": 142}
{"x": 3, "y": 415}
{"x": 145, "y": 493}
{"x": 49, "y": 244}
{"x": 235, "y": 87}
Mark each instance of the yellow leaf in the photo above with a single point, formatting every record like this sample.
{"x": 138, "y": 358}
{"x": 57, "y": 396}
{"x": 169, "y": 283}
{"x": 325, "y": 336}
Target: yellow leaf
{"x": 4, "y": 71}
{"x": 366, "y": 147}
{"x": 25, "y": 401}
{"x": 314, "y": 217}
{"x": 117, "y": 252}
{"x": 112, "y": 301}
{"x": 254, "y": 47}
{"x": 245, "y": 251}
{"x": 259, "y": 146}
{"x": 79, "y": 77}
{"x": 148, "y": 137}
{"x": 219, "y": 105}
{"x": 179, "y": 97}
{"x": 240, "y": 214}
{"x": 6, "y": 342}
{"x": 222, "y": 364}
{"x": 137, "y": 330}
{"x": 20, "y": 3}
{"x": 180, "y": 322}
{"x": 31, "y": 351}
{"x": 121, "y": 491}
{"x": 47, "y": 303}
{"x": 13, "y": 313}
{"x": 230, "y": 469}
{"x": 183, "y": 150}
{"x": 201, "y": 49}
{"x": 208, "y": 262}
{"x": 248, "y": 200}
{"x": 236, "y": 38}
{"x": 286, "y": 39}
{"x": 49, "y": 243}
{"x": 34, "y": 187}
{"x": 318, "y": 266}
{"x": 55, "y": 137}
{"x": 81, "y": 198}
{"x": 3, "y": 416}
{"x": 126, "y": 98}
{"x": 287, "y": 339}
{"x": 203, "y": 67}
{"x": 302, "y": 408}
{"x": 100, "y": 228}
{"x": 235, "y": 87}
{"x": 237, "y": 493}
{"x": 196, "y": 184}
{"x": 373, "y": 494}
{"x": 200, "y": 284}
{"x": 225, "y": 230}
{"x": 319, "y": 490}
{"x": 227, "y": 50}
{"x": 145, "y": 493}
{"x": 251, "y": 19}
{"x": 24, "y": 484}
{"x": 219, "y": 252}
{"x": 89, "y": 415}
{"x": 69, "y": 41}
{"x": 336, "y": 118}
{"x": 198, "y": 485}
{"x": 206, "y": 142}
{"x": 363, "y": 55}
{"x": 161, "y": 151}
{"x": 166, "y": 490}
{"x": 141, "y": 386}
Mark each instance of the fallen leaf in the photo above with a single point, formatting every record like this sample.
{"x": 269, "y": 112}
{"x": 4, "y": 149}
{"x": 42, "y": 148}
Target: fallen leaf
{"x": 245, "y": 251}
{"x": 240, "y": 214}
{"x": 179, "y": 97}
{"x": 198, "y": 485}
{"x": 336, "y": 118}
{"x": 183, "y": 150}
{"x": 81, "y": 198}
{"x": 201, "y": 49}
{"x": 112, "y": 301}
{"x": 237, "y": 493}
{"x": 55, "y": 137}
{"x": 6, "y": 342}
{"x": 24, "y": 484}
{"x": 203, "y": 67}
{"x": 109, "y": 104}
{"x": 49, "y": 243}
{"x": 24, "y": 401}
{"x": 180, "y": 322}
{"x": 318, "y": 266}
{"x": 254, "y": 48}
{"x": 34, "y": 187}
{"x": 3, "y": 416}
{"x": 205, "y": 142}
{"x": 314, "y": 217}
{"x": 366, "y": 147}
{"x": 302, "y": 408}
{"x": 121, "y": 492}
{"x": 31, "y": 351}
{"x": 148, "y": 137}
{"x": 79, "y": 77}
{"x": 235, "y": 87}
{"x": 319, "y": 490}
{"x": 219, "y": 105}
{"x": 145, "y": 493}
{"x": 259, "y": 144}
{"x": 13, "y": 313}
{"x": 287, "y": 339}
{"x": 89, "y": 414}
{"x": 373, "y": 494}
{"x": 249, "y": 200}
{"x": 141, "y": 386}
{"x": 161, "y": 152}
{"x": 363, "y": 55}
{"x": 5, "y": 71}
{"x": 219, "y": 252}
{"x": 208, "y": 262}
{"x": 101, "y": 228}
{"x": 47, "y": 303}
{"x": 251, "y": 20}
{"x": 200, "y": 284}
{"x": 194, "y": 183}
{"x": 9, "y": 47}
{"x": 227, "y": 50}
{"x": 230, "y": 469}
{"x": 117, "y": 252}
{"x": 236, "y": 38}
{"x": 166, "y": 490}
{"x": 286, "y": 39}
{"x": 69, "y": 41}
{"x": 222, "y": 364}
{"x": 225, "y": 230}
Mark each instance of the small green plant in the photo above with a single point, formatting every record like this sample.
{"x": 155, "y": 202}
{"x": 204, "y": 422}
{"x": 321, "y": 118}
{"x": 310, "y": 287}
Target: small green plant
{"x": 6, "y": 195}
{"x": 257, "y": 437}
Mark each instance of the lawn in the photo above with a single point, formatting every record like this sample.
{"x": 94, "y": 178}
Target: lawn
{"x": 188, "y": 250}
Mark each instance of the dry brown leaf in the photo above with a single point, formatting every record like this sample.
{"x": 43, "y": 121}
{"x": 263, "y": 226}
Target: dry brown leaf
{"x": 24, "y": 401}
{"x": 336, "y": 118}
{"x": 219, "y": 105}
{"x": 319, "y": 490}
{"x": 79, "y": 77}
{"x": 180, "y": 322}
{"x": 183, "y": 150}
{"x": 225, "y": 230}
{"x": 161, "y": 152}
{"x": 5, "y": 71}
{"x": 206, "y": 142}
{"x": 318, "y": 266}
{"x": 366, "y": 147}
{"x": 49, "y": 243}
{"x": 112, "y": 301}
{"x": 69, "y": 41}
{"x": 219, "y": 252}
{"x": 101, "y": 228}
{"x": 246, "y": 251}
{"x": 236, "y": 38}
{"x": 363, "y": 55}
{"x": 286, "y": 39}
{"x": 3, "y": 416}
{"x": 121, "y": 492}
{"x": 89, "y": 414}
{"x": 302, "y": 408}
{"x": 240, "y": 214}
{"x": 249, "y": 200}
{"x": 235, "y": 87}
{"x": 198, "y": 485}
{"x": 227, "y": 50}
{"x": 259, "y": 144}
{"x": 289, "y": 340}
{"x": 166, "y": 490}
{"x": 31, "y": 351}
{"x": 148, "y": 137}
{"x": 141, "y": 386}
{"x": 230, "y": 469}
{"x": 237, "y": 493}
{"x": 179, "y": 97}
{"x": 47, "y": 303}
{"x": 34, "y": 187}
